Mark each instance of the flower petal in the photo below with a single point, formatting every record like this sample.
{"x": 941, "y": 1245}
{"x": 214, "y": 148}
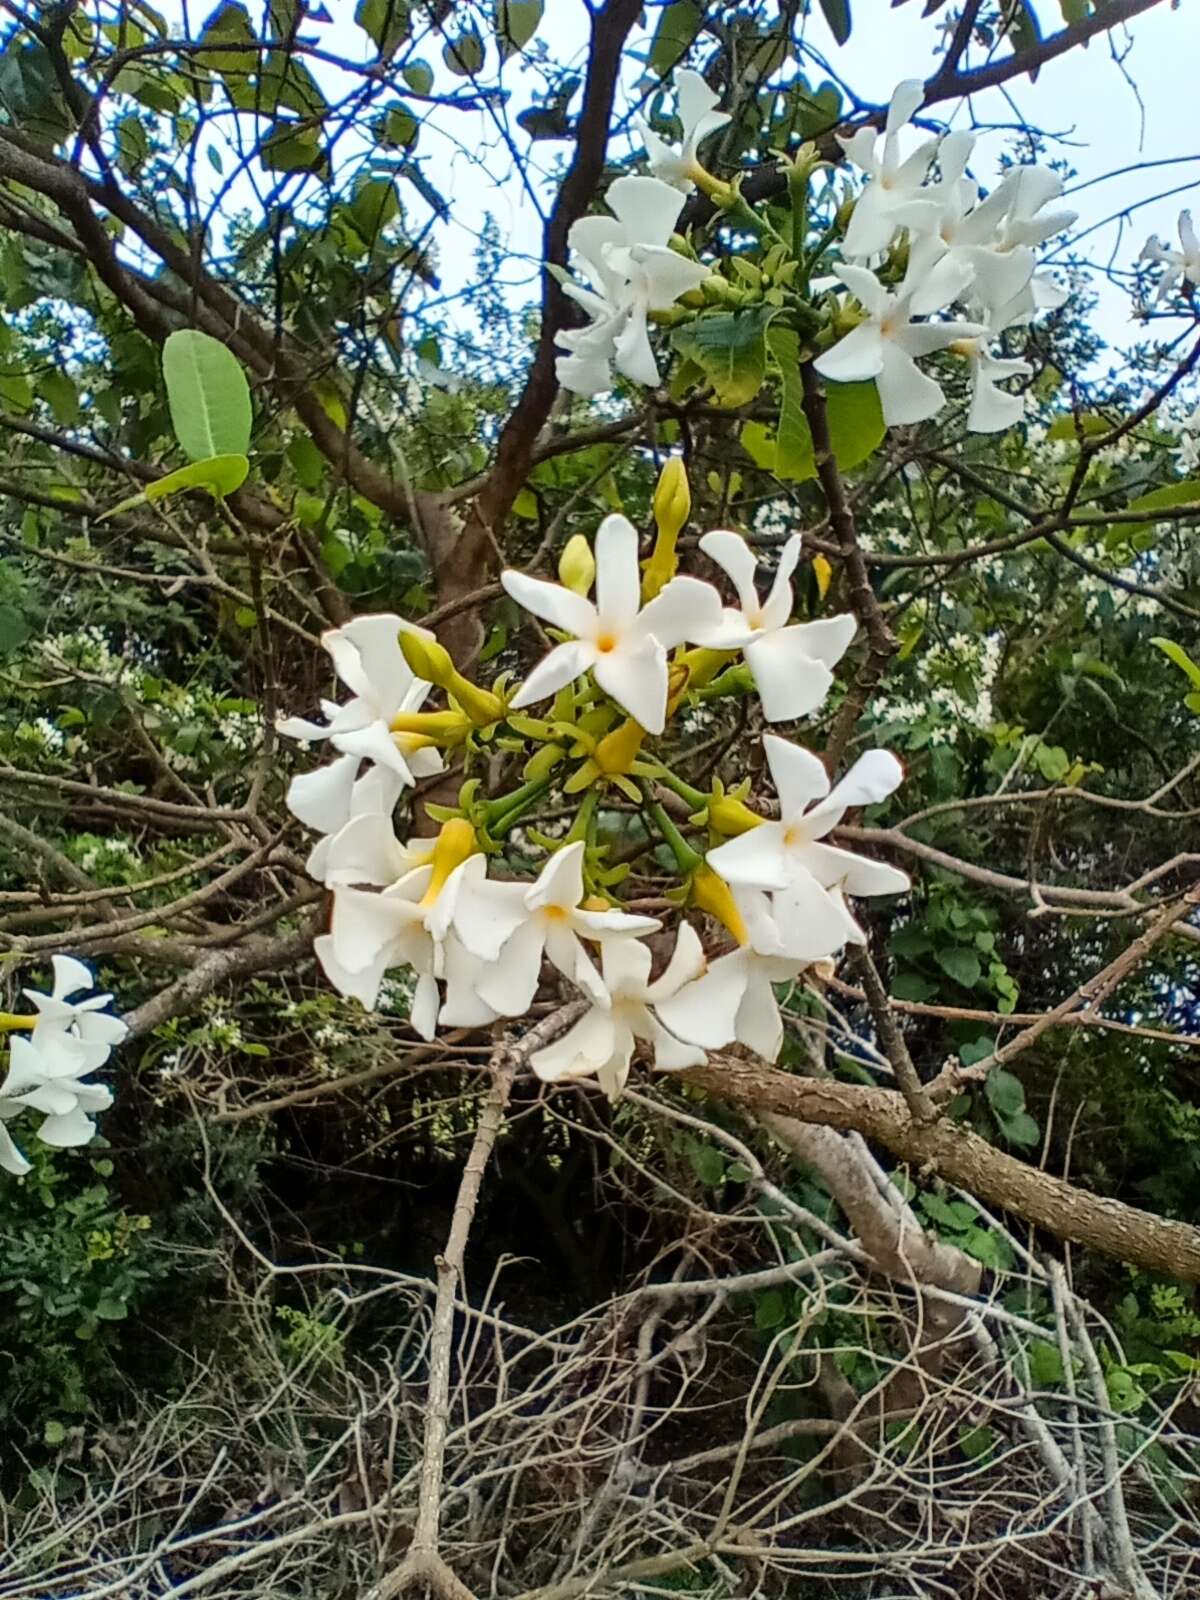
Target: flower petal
{"x": 665, "y": 275}
{"x": 464, "y": 1006}
{"x": 758, "y": 858}
{"x": 856, "y": 357}
{"x": 366, "y": 850}
{"x": 865, "y": 287}
{"x": 11, "y": 1159}
{"x": 799, "y": 776}
{"x": 646, "y": 208}
{"x": 687, "y": 962}
{"x": 672, "y": 1054}
{"x": 790, "y": 684}
{"x": 905, "y": 394}
{"x": 423, "y": 1011}
{"x": 374, "y": 743}
{"x": 810, "y": 923}
{"x": 562, "y": 665}
{"x": 858, "y": 875}
{"x": 361, "y": 986}
{"x": 580, "y": 1052}
{"x": 704, "y": 1011}
{"x": 758, "y": 1024}
{"x": 68, "y": 1131}
{"x": 635, "y": 676}
{"x": 387, "y": 674}
{"x": 682, "y": 609}
{"x": 875, "y": 775}
{"x": 560, "y": 607}
{"x": 560, "y": 882}
{"x": 736, "y": 559}
{"x": 508, "y": 981}
{"x": 777, "y": 607}
{"x": 618, "y": 579}
{"x": 633, "y": 354}
{"x": 364, "y": 926}
{"x": 321, "y": 799}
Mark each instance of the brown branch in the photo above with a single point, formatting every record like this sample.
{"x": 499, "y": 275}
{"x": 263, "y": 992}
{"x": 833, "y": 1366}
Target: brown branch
{"x": 958, "y": 1155}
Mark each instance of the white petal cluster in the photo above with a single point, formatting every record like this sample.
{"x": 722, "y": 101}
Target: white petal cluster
{"x": 1179, "y": 266}
{"x": 374, "y": 764}
{"x": 790, "y": 857}
{"x": 69, "y": 1039}
{"x": 964, "y": 249}
{"x": 791, "y": 663}
{"x": 621, "y": 641}
{"x": 697, "y": 106}
{"x": 628, "y": 271}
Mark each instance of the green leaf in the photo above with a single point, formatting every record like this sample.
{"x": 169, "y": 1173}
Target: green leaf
{"x": 208, "y": 395}
{"x": 516, "y": 22}
{"x": 1177, "y": 654}
{"x": 1088, "y": 423}
{"x": 54, "y": 1432}
{"x": 1005, "y": 1092}
{"x": 1021, "y": 1129}
{"x": 794, "y": 458}
{"x": 219, "y": 475}
{"x": 731, "y": 351}
{"x": 976, "y": 1442}
{"x": 962, "y": 965}
{"x": 856, "y": 425}
{"x": 293, "y": 147}
{"x": 1052, "y": 761}
{"x": 110, "y": 1309}
{"x": 418, "y": 75}
{"x": 912, "y": 986}
{"x": 465, "y": 55}
{"x": 1175, "y": 494}
{"x": 385, "y": 20}
{"x": 837, "y": 15}
{"x": 678, "y": 25}
{"x": 770, "y": 1308}
{"x": 758, "y": 442}
{"x": 61, "y": 395}
{"x": 1045, "y": 1364}
{"x": 978, "y": 1050}
{"x": 397, "y": 128}
{"x": 14, "y": 630}
{"x": 708, "y": 1164}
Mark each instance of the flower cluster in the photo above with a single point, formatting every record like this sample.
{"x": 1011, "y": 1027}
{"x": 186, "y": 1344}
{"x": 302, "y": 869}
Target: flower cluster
{"x": 71, "y": 1034}
{"x": 1180, "y": 266}
{"x": 915, "y": 244}
{"x": 636, "y": 644}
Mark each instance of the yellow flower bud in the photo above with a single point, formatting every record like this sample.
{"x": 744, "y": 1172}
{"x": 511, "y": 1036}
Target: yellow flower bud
{"x": 730, "y": 816}
{"x": 437, "y": 727}
{"x": 618, "y": 750}
{"x": 428, "y": 658}
{"x": 672, "y": 506}
{"x": 577, "y": 565}
{"x": 712, "y": 894}
{"x": 822, "y": 572}
{"x": 455, "y": 843}
{"x": 481, "y": 705}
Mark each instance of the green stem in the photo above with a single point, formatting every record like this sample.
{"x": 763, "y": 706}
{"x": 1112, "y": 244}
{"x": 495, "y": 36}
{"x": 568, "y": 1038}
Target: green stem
{"x": 581, "y": 828}
{"x": 11, "y": 1023}
{"x": 736, "y": 680}
{"x": 696, "y": 798}
{"x": 686, "y": 858}
{"x": 502, "y": 813}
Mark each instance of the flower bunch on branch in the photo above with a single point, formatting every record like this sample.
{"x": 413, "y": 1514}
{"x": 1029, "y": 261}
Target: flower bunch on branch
{"x": 490, "y": 912}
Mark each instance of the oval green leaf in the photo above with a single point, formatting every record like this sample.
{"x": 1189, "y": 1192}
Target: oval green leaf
{"x": 208, "y": 395}
{"x": 1175, "y": 494}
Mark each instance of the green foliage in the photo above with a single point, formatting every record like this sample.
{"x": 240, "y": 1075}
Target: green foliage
{"x": 208, "y": 395}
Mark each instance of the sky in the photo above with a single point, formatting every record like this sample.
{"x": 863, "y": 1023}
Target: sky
{"x": 1123, "y": 113}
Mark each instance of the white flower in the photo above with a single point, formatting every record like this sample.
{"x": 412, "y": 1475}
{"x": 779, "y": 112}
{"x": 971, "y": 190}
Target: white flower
{"x": 885, "y": 345}
{"x": 366, "y": 850}
{"x": 991, "y": 409}
{"x": 510, "y": 926}
{"x": 626, "y": 647}
{"x": 1182, "y": 264}
{"x": 629, "y": 272}
{"x": 73, "y": 1036}
{"x": 696, "y": 104}
{"x": 601, "y": 1044}
{"x": 407, "y": 925}
{"x": 1189, "y": 443}
{"x": 789, "y": 854}
{"x": 329, "y": 797}
{"x": 791, "y": 666}
{"x": 734, "y": 1001}
{"x": 36, "y": 1082}
{"x": 893, "y": 199}
{"x": 367, "y": 658}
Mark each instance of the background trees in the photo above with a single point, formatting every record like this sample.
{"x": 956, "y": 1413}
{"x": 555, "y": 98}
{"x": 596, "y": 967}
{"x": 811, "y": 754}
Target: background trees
{"x": 757, "y": 1330}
